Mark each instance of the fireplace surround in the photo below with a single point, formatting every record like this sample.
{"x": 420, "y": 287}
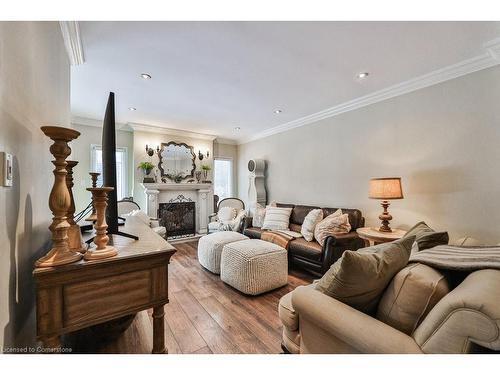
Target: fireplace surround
{"x": 178, "y": 217}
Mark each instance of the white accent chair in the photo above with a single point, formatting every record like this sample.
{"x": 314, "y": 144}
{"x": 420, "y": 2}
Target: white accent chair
{"x": 127, "y": 207}
{"x": 215, "y": 224}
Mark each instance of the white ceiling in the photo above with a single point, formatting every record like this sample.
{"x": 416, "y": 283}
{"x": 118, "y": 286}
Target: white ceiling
{"x": 210, "y": 77}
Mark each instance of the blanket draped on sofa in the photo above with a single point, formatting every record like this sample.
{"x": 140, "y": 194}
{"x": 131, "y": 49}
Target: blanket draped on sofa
{"x": 459, "y": 258}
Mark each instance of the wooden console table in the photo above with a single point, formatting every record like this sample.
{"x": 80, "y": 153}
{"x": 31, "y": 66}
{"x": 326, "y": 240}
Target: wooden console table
{"x": 86, "y": 293}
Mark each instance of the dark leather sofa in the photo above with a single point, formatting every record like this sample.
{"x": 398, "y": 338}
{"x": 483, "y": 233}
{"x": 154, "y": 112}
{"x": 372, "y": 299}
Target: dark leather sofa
{"x": 311, "y": 255}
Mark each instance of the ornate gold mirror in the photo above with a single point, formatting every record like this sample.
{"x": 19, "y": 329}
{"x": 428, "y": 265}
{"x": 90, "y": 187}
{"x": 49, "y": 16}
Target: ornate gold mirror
{"x": 177, "y": 161}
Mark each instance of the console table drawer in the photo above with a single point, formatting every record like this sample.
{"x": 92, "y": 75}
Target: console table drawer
{"x": 89, "y": 300}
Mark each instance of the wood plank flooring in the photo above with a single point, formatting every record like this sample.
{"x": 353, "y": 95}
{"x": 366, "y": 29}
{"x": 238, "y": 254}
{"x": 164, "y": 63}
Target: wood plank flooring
{"x": 204, "y": 315}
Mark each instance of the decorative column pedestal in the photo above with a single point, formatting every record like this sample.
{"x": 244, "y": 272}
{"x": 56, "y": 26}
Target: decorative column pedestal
{"x": 101, "y": 239}
{"x": 59, "y": 200}
{"x": 74, "y": 233}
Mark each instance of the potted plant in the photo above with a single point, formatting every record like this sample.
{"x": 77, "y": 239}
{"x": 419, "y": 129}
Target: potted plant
{"x": 205, "y": 168}
{"x": 146, "y": 168}
{"x": 176, "y": 176}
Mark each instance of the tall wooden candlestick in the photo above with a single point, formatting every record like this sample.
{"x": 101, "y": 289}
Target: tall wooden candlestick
{"x": 93, "y": 175}
{"x": 74, "y": 233}
{"x": 59, "y": 200}
{"x": 101, "y": 239}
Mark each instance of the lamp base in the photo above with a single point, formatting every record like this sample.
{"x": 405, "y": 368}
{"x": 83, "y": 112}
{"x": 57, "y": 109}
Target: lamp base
{"x": 386, "y": 217}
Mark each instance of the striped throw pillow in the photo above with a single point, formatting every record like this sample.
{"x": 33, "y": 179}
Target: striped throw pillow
{"x": 277, "y": 218}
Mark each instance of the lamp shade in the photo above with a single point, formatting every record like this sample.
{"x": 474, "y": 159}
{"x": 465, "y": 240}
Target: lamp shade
{"x": 386, "y": 188}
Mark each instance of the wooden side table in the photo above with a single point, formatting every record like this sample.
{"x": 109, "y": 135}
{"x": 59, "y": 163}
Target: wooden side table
{"x": 86, "y": 293}
{"x": 373, "y": 236}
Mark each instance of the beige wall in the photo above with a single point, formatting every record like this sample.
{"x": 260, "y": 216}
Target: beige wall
{"x": 228, "y": 151}
{"x": 443, "y": 141}
{"x": 34, "y": 91}
{"x": 91, "y": 135}
{"x": 141, "y": 139}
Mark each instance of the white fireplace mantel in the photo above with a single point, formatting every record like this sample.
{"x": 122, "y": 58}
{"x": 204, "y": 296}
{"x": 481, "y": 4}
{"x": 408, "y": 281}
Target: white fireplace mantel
{"x": 201, "y": 194}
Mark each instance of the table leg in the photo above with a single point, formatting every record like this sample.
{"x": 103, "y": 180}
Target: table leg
{"x": 159, "y": 330}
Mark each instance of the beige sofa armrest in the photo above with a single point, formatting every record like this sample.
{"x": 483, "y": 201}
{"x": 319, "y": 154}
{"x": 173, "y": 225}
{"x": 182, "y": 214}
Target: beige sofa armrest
{"x": 468, "y": 314}
{"x": 343, "y": 323}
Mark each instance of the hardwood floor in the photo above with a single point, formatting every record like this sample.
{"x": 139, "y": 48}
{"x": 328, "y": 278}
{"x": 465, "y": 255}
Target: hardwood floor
{"x": 204, "y": 315}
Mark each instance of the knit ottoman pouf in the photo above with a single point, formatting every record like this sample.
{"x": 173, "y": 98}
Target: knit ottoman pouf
{"x": 210, "y": 248}
{"x": 254, "y": 266}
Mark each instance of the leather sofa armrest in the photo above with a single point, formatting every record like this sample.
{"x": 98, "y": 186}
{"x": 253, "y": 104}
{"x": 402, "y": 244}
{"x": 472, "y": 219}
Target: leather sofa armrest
{"x": 335, "y": 246}
{"x": 470, "y": 313}
{"x": 358, "y": 330}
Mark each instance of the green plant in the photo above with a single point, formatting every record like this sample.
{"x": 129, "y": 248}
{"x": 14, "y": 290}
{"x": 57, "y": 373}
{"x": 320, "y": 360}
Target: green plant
{"x": 146, "y": 166}
{"x": 206, "y": 167}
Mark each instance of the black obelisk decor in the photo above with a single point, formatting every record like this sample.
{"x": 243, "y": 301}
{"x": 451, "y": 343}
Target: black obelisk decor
{"x": 109, "y": 166}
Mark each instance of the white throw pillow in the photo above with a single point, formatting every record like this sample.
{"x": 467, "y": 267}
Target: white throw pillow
{"x": 226, "y": 214}
{"x": 277, "y": 218}
{"x": 336, "y": 223}
{"x": 142, "y": 216}
{"x": 310, "y": 222}
{"x": 258, "y": 216}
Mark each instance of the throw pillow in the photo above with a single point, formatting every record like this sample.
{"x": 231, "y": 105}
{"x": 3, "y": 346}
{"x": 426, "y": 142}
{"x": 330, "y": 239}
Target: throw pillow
{"x": 258, "y": 216}
{"x": 310, "y": 222}
{"x": 336, "y": 223}
{"x": 426, "y": 237}
{"x": 277, "y": 218}
{"x": 359, "y": 278}
{"x": 412, "y": 293}
{"x": 142, "y": 216}
{"x": 226, "y": 214}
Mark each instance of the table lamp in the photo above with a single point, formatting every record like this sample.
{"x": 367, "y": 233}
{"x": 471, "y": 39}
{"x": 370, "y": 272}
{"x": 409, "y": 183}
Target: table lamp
{"x": 385, "y": 188}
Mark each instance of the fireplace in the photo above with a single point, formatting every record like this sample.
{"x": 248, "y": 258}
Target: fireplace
{"x": 178, "y": 216}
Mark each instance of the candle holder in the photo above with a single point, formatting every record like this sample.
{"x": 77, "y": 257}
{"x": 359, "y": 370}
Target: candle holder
{"x": 101, "y": 239}
{"x": 59, "y": 199}
{"x": 74, "y": 233}
{"x": 92, "y": 217}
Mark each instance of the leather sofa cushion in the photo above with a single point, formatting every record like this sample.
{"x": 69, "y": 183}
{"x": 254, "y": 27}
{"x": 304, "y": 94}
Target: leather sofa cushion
{"x": 299, "y": 213}
{"x": 412, "y": 293}
{"x": 253, "y": 232}
{"x": 359, "y": 278}
{"x": 295, "y": 227}
{"x": 304, "y": 249}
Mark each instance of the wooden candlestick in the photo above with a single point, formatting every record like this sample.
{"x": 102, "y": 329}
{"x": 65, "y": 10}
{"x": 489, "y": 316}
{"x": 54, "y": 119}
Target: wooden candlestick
{"x": 74, "y": 233}
{"x": 101, "y": 239}
{"x": 93, "y": 175}
{"x": 59, "y": 200}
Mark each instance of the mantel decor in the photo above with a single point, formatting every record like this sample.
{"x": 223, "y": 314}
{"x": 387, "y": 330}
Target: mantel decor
{"x": 101, "y": 239}
{"x": 59, "y": 199}
{"x": 385, "y": 188}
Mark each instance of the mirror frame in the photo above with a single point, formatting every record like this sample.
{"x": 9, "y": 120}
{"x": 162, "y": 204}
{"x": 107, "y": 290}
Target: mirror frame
{"x": 160, "y": 163}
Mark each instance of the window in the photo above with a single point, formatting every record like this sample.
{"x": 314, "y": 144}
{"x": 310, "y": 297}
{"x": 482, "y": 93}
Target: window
{"x": 223, "y": 178}
{"x": 121, "y": 168}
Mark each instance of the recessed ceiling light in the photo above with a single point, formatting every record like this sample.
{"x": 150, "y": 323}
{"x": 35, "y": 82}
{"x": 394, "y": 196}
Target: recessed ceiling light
{"x": 132, "y": 109}
{"x": 237, "y": 128}
{"x": 277, "y": 111}
{"x": 146, "y": 76}
{"x": 363, "y": 75}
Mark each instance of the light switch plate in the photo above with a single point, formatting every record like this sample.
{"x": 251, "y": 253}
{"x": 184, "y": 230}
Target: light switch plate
{"x": 6, "y": 170}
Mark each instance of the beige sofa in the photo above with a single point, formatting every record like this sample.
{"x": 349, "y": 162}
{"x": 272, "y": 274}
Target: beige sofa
{"x": 468, "y": 316}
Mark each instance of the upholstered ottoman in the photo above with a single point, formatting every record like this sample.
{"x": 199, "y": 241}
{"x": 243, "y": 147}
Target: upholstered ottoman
{"x": 254, "y": 266}
{"x": 210, "y": 248}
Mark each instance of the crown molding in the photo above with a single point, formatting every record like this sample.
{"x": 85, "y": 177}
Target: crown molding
{"x": 72, "y": 41}
{"x": 167, "y": 131}
{"x": 84, "y": 121}
{"x": 489, "y": 58}
{"x": 225, "y": 141}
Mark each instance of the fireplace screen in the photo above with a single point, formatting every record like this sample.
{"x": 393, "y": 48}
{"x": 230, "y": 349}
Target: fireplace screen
{"x": 178, "y": 218}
